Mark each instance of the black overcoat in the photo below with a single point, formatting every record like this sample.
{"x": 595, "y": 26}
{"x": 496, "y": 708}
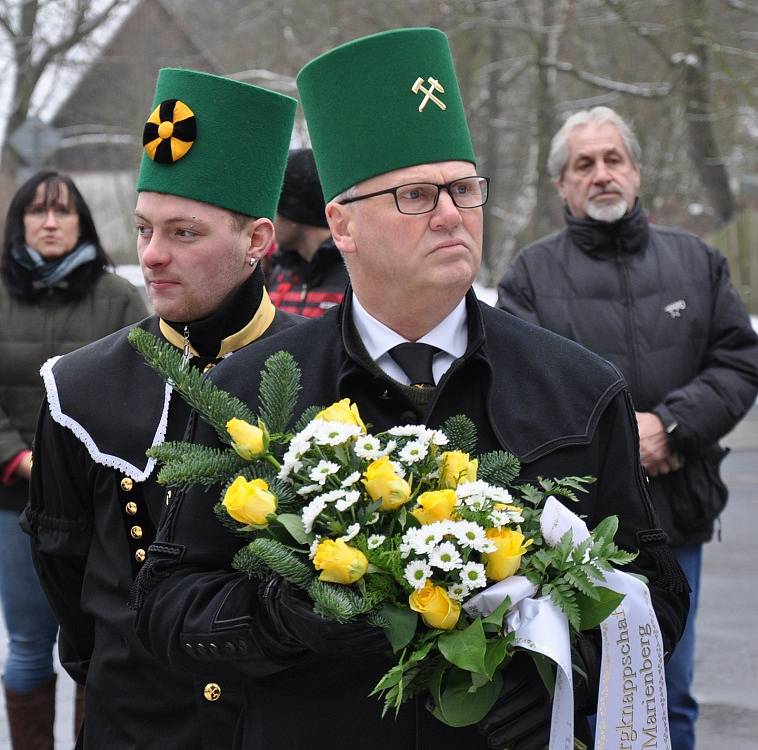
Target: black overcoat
{"x": 559, "y": 408}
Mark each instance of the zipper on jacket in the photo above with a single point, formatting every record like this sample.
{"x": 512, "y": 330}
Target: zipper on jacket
{"x": 629, "y": 316}
{"x": 186, "y": 350}
{"x": 303, "y": 295}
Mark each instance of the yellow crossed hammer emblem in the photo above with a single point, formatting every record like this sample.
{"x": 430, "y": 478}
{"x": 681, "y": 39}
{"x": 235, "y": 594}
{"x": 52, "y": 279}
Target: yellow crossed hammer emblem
{"x": 434, "y": 85}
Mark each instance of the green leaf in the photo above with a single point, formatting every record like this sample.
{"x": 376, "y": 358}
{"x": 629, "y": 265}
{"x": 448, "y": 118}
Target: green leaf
{"x": 497, "y": 650}
{"x": 498, "y": 615}
{"x": 458, "y": 704}
{"x": 606, "y": 529}
{"x": 294, "y": 525}
{"x": 400, "y": 624}
{"x": 545, "y": 669}
{"x": 465, "y": 648}
{"x": 593, "y": 612}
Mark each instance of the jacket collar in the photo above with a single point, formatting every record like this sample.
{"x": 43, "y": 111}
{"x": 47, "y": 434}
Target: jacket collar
{"x": 241, "y": 318}
{"x": 601, "y": 239}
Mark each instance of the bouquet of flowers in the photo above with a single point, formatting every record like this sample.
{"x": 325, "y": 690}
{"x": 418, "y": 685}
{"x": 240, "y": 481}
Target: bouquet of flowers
{"x": 406, "y": 527}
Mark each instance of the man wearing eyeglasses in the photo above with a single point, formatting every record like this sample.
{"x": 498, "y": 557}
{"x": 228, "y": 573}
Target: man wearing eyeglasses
{"x": 409, "y": 344}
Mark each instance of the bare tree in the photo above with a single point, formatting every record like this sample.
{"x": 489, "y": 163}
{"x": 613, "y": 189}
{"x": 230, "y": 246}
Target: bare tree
{"x": 39, "y": 34}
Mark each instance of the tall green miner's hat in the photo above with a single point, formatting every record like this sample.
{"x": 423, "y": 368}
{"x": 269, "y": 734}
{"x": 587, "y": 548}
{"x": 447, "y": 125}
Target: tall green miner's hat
{"x": 218, "y": 141}
{"x": 383, "y": 102}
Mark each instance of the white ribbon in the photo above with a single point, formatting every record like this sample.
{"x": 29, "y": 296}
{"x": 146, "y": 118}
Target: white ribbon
{"x": 631, "y": 710}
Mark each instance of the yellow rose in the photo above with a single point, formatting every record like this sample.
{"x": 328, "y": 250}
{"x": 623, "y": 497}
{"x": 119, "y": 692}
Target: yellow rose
{"x": 248, "y": 440}
{"x": 505, "y": 560}
{"x": 381, "y": 481}
{"x": 457, "y": 468}
{"x": 435, "y": 506}
{"x": 339, "y": 562}
{"x": 249, "y": 501}
{"x": 436, "y": 608}
{"x": 342, "y": 411}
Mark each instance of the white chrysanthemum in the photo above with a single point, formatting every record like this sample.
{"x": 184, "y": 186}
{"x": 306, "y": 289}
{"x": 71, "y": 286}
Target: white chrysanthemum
{"x": 458, "y": 591}
{"x": 426, "y": 538}
{"x": 500, "y": 495}
{"x": 375, "y": 540}
{"x": 311, "y": 512}
{"x": 314, "y": 546}
{"x": 476, "y": 488}
{"x": 473, "y": 575}
{"x": 500, "y": 518}
{"x": 475, "y": 502}
{"x": 471, "y": 535}
{"x": 332, "y": 496}
{"x": 335, "y": 433}
{"x": 352, "y": 530}
{"x": 445, "y": 557}
{"x": 351, "y": 479}
{"x": 348, "y": 499}
{"x": 438, "y": 438}
{"x": 389, "y": 447}
{"x": 373, "y": 519}
{"x": 308, "y": 489}
{"x": 407, "y": 430}
{"x": 323, "y": 470}
{"x": 368, "y": 447}
{"x": 416, "y": 573}
{"x": 414, "y": 451}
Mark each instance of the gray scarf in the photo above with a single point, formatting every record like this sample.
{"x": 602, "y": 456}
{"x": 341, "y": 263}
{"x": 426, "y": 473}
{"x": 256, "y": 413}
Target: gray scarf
{"x": 47, "y": 273}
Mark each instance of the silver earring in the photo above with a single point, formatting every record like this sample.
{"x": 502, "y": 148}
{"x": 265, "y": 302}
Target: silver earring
{"x": 252, "y": 262}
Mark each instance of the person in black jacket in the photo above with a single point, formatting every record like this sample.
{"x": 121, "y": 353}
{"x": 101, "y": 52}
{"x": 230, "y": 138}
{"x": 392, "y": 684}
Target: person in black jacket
{"x": 308, "y": 276}
{"x": 404, "y": 207}
{"x": 207, "y": 193}
{"x": 657, "y": 303}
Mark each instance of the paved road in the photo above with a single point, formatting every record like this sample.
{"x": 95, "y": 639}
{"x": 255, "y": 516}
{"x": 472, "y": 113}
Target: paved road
{"x": 726, "y": 674}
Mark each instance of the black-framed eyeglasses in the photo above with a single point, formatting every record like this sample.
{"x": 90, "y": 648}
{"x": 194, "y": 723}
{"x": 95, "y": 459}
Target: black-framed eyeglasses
{"x": 422, "y": 197}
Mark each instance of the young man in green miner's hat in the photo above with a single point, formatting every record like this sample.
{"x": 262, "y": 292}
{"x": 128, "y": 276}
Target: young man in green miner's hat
{"x": 212, "y": 168}
{"x": 404, "y": 204}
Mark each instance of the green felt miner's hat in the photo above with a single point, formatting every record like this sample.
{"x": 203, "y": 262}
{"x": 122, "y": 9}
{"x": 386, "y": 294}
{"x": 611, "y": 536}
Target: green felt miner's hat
{"x": 383, "y": 102}
{"x": 217, "y": 141}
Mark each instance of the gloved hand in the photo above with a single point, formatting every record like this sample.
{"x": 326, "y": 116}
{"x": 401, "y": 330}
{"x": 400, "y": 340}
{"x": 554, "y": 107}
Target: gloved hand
{"x": 520, "y": 718}
{"x": 286, "y": 613}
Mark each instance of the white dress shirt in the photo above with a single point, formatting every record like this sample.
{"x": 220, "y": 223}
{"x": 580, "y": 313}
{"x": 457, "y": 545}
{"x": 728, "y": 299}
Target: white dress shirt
{"x": 450, "y": 336}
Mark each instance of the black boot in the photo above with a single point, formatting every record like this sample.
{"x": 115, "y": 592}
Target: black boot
{"x": 31, "y": 717}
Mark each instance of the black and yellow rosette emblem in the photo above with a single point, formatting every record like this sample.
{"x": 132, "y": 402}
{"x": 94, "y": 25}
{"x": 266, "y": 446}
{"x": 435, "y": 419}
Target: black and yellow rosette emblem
{"x": 169, "y": 132}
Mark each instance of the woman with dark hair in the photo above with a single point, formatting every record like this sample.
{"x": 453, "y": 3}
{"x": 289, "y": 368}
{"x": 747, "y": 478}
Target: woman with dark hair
{"x": 55, "y": 295}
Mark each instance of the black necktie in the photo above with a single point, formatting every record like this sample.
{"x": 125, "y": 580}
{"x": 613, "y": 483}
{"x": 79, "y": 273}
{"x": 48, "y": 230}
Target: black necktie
{"x": 416, "y": 361}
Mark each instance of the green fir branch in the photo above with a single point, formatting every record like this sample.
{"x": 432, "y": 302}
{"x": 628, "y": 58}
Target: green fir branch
{"x": 461, "y": 434}
{"x": 214, "y": 405}
{"x": 499, "y": 468}
{"x": 185, "y": 464}
{"x": 306, "y": 416}
{"x": 280, "y": 384}
{"x": 336, "y": 602}
{"x": 280, "y": 559}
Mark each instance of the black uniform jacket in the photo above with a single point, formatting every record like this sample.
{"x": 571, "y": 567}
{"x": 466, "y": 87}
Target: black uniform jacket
{"x": 656, "y": 302}
{"x": 561, "y": 409}
{"x": 93, "y": 512}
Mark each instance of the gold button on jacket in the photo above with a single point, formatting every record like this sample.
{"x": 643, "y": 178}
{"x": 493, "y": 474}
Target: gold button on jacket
{"x": 212, "y": 691}
{"x": 127, "y": 484}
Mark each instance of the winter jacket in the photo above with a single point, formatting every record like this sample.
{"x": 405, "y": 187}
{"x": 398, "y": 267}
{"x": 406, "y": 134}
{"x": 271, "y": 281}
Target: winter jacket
{"x": 559, "y": 408}
{"x": 657, "y": 303}
{"x": 308, "y": 289}
{"x": 31, "y": 333}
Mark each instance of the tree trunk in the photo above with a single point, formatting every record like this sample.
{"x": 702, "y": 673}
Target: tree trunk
{"x": 703, "y": 148}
